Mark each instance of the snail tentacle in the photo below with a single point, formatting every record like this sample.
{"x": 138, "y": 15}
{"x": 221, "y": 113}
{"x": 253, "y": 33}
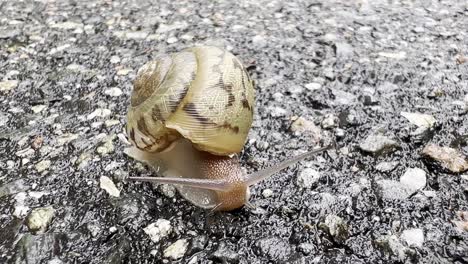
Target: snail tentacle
{"x": 209, "y": 184}
{"x": 265, "y": 173}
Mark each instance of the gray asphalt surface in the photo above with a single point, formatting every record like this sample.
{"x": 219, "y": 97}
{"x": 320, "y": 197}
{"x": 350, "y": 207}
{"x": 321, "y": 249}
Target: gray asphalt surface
{"x": 384, "y": 79}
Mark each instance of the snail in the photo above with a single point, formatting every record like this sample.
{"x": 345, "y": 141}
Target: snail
{"x": 189, "y": 117}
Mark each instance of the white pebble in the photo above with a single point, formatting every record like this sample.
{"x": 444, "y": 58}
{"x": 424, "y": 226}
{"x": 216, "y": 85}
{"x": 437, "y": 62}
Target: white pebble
{"x": 108, "y": 185}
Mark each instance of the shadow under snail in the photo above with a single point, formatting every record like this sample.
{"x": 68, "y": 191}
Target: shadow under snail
{"x": 189, "y": 116}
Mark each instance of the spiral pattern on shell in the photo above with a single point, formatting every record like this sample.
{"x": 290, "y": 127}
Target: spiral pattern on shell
{"x": 203, "y": 94}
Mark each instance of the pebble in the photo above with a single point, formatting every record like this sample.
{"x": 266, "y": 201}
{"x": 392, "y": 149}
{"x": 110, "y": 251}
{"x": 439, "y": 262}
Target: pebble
{"x": 301, "y": 125}
{"x": 114, "y": 59}
{"x": 27, "y": 152}
{"x": 6, "y": 86}
{"x": 114, "y": 92}
{"x": 313, "y": 86}
{"x": 259, "y": 41}
{"x": 277, "y": 111}
{"x": 385, "y": 166}
{"x": 343, "y": 50}
{"x": 108, "y": 185}
{"x": 414, "y": 179}
{"x": 197, "y": 244}
{"x": 307, "y": 177}
{"x": 448, "y": 158}
{"x": 176, "y": 250}
{"x": 39, "y": 218}
{"x": 378, "y": 144}
{"x": 168, "y": 190}
{"x": 13, "y": 187}
{"x": 330, "y": 121}
{"x": 273, "y": 248}
{"x": 413, "y": 237}
{"x": 336, "y": 227}
{"x": 172, "y": 40}
{"x": 111, "y": 122}
{"x": 124, "y": 71}
{"x": 136, "y": 35}
{"x": 393, "y": 55}
{"x": 158, "y": 230}
{"x": 43, "y": 165}
{"x": 224, "y": 254}
{"x": 38, "y": 108}
{"x": 3, "y": 119}
{"x": 266, "y": 193}
{"x": 107, "y": 147}
{"x": 100, "y": 112}
{"x": 67, "y": 25}
{"x": 392, "y": 244}
{"x": 393, "y": 190}
{"x": 420, "y": 120}
{"x": 20, "y": 209}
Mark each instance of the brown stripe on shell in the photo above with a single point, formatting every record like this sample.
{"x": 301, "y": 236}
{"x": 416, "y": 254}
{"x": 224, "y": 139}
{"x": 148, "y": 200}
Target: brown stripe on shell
{"x": 191, "y": 110}
{"x": 228, "y": 88}
{"x": 234, "y": 129}
{"x": 177, "y": 98}
{"x": 156, "y": 114}
{"x": 141, "y": 125}
{"x": 132, "y": 134}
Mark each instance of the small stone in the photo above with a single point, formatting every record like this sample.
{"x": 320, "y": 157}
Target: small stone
{"x": 393, "y": 55}
{"x": 224, "y": 254}
{"x": 330, "y": 121}
{"x": 378, "y": 144}
{"x": 43, "y": 165}
{"x": 259, "y": 41}
{"x": 307, "y": 177}
{"x": 420, "y": 120}
{"x": 273, "y": 248}
{"x": 343, "y": 50}
{"x": 136, "y": 35}
{"x": 3, "y": 119}
{"x": 313, "y": 86}
{"x": 27, "y": 152}
{"x": 336, "y": 227}
{"x": 393, "y": 190}
{"x": 107, "y": 147}
{"x": 385, "y": 166}
{"x": 449, "y": 158}
{"x": 197, "y": 244}
{"x": 6, "y": 86}
{"x": 413, "y": 237}
{"x": 38, "y": 108}
{"x": 100, "y": 112}
{"x": 277, "y": 111}
{"x": 168, "y": 190}
{"x": 13, "y": 187}
{"x": 114, "y": 59}
{"x": 67, "y": 25}
{"x": 301, "y": 125}
{"x": 39, "y": 218}
{"x": 114, "y": 92}
{"x": 111, "y": 122}
{"x": 176, "y": 250}
{"x": 66, "y": 138}
{"x": 414, "y": 179}
{"x": 83, "y": 160}
{"x": 172, "y": 40}
{"x": 124, "y": 71}
{"x": 158, "y": 230}
{"x": 108, "y": 185}
{"x": 392, "y": 245}
{"x": 267, "y": 193}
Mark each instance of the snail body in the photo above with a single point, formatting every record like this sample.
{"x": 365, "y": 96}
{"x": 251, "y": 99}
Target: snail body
{"x": 189, "y": 117}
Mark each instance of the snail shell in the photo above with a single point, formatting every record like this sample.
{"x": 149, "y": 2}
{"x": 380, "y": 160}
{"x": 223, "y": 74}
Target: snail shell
{"x": 189, "y": 116}
{"x": 202, "y": 94}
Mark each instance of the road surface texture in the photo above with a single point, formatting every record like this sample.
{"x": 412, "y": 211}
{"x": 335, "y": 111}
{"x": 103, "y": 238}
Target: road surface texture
{"x": 386, "y": 80}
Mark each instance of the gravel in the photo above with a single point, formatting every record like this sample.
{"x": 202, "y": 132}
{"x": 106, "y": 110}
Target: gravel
{"x": 377, "y": 72}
